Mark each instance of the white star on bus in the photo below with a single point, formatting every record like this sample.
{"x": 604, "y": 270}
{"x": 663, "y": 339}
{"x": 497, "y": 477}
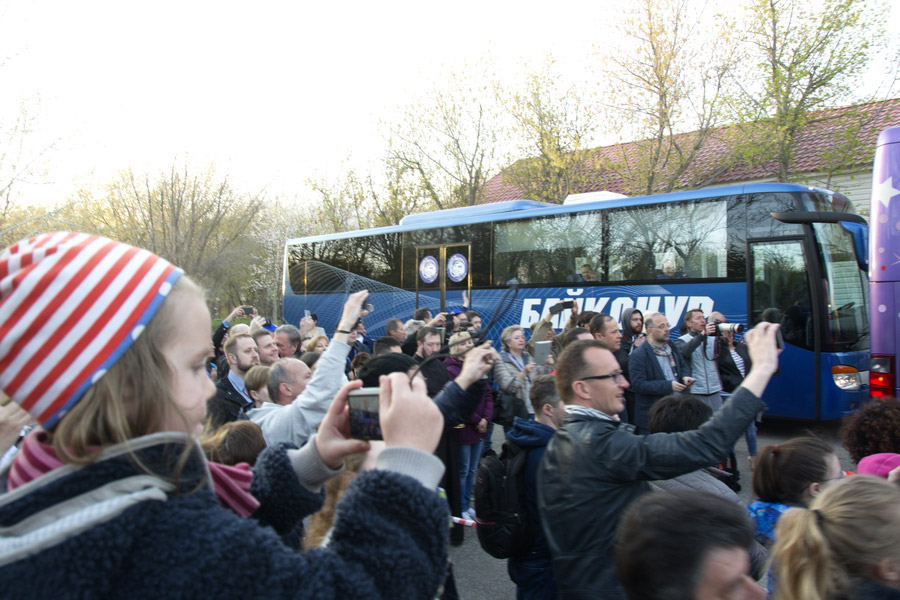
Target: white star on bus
{"x": 884, "y": 191}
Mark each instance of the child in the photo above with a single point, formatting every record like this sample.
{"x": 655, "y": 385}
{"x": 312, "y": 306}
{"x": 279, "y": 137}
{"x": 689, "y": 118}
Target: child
{"x": 106, "y": 346}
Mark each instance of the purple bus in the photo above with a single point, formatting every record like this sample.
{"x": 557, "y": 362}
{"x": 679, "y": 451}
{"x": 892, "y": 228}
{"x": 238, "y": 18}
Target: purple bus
{"x": 884, "y": 265}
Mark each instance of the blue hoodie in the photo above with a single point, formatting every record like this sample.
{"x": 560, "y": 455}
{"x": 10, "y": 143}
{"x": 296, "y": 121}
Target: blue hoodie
{"x": 533, "y": 436}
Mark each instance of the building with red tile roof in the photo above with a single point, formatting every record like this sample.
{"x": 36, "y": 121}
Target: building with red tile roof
{"x": 820, "y": 157}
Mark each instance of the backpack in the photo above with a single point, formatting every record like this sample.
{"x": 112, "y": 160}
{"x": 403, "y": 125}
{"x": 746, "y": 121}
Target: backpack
{"x": 502, "y": 525}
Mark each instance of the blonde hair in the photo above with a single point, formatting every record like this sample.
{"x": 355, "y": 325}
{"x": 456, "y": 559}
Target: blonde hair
{"x": 320, "y": 522}
{"x": 507, "y": 334}
{"x": 456, "y": 342}
{"x": 311, "y": 344}
{"x": 134, "y": 397}
{"x": 850, "y": 527}
{"x": 256, "y": 378}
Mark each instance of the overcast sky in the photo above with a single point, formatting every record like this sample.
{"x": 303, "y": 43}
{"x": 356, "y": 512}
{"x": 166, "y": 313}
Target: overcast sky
{"x": 272, "y": 92}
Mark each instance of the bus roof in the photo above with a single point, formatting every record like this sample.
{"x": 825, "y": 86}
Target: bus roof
{"x": 521, "y": 209}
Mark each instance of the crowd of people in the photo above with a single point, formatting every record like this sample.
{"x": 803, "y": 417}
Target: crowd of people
{"x": 163, "y": 458}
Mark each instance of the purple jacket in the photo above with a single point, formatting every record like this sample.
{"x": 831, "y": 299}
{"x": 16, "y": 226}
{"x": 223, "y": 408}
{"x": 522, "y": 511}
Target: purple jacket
{"x": 485, "y": 410}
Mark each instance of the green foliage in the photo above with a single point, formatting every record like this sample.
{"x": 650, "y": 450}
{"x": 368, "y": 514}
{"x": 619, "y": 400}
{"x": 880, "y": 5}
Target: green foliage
{"x": 553, "y": 125}
{"x": 670, "y": 67}
{"x": 194, "y": 219}
{"x": 805, "y": 60}
{"x": 446, "y": 147}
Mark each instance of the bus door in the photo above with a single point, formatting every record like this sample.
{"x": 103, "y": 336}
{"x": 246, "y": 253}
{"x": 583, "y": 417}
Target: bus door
{"x": 778, "y": 292}
{"x": 444, "y": 272}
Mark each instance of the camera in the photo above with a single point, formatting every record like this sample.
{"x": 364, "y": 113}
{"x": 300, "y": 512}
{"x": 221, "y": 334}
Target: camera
{"x": 725, "y": 327}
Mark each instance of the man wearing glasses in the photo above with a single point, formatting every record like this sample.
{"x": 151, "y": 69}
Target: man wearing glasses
{"x": 595, "y": 466}
{"x": 657, "y": 369}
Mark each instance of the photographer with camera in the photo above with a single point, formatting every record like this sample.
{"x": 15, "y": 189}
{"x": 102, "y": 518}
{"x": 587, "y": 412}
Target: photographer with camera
{"x": 699, "y": 350}
{"x": 734, "y": 362}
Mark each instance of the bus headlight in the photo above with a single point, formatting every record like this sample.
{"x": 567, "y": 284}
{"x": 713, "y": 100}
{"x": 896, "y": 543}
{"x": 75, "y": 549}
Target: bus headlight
{"x": 847, "y": 378}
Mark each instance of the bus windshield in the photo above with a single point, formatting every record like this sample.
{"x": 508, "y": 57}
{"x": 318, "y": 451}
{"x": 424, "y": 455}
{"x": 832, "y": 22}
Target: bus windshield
{"x": 845, "y": 287}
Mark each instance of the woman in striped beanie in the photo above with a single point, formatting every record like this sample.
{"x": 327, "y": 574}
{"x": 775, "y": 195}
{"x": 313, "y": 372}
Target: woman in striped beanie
{"x": 106, "y": 346}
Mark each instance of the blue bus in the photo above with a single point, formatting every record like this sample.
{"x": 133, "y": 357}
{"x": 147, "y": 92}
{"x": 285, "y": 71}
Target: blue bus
{"x": 751, "y": 252}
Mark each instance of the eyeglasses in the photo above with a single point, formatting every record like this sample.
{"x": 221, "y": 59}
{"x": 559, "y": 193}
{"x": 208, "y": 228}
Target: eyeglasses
{"x": 617, "y": 376}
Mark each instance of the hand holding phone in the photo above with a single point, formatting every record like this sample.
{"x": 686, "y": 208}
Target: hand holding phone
{"x": 408, "y": 416}
{"x": 333, "y": 441}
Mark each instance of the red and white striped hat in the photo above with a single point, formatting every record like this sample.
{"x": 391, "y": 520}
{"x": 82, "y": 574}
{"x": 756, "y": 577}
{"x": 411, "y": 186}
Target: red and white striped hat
{"x": 72, "y": 303}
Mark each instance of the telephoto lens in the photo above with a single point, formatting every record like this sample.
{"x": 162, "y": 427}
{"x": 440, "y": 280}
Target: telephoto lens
{"x": 732, "y": 327}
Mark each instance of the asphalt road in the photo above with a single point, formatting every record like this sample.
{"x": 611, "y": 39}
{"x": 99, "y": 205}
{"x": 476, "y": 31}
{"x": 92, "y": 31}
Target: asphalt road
{"x": 479, "y": 576}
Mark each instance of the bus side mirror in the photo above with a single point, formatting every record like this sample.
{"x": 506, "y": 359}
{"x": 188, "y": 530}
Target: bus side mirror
{"x": 859, "y": 233}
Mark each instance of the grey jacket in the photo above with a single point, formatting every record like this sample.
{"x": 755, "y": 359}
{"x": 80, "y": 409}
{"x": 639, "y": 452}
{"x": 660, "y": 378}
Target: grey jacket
{"x": 298, "y": 420}
{"x": 706, "y": 481}
{"x": 506, "y": 374}
{"x": 702, "y": 358}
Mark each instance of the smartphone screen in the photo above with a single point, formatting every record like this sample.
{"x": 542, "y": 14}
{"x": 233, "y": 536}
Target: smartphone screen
{"x": 364, "y": 415}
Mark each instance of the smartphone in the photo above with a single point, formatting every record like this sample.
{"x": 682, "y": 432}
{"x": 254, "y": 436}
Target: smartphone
{"x": 364, "y": 416}
{"x": 779, "y": 339}
{"x": 248, "y": 310}
{"x": 306, "y": 314}
{"x": 367, "y": 306}
{"x": 541, "y": 351}
{"x": 558, "y": 308}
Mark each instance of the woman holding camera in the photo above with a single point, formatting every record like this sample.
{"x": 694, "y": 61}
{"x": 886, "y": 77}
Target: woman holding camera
{"x": 734, "y": 362}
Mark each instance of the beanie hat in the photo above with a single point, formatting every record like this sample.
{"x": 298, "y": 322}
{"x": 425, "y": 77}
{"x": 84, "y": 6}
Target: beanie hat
{"x": 879, "y": 464}
{"x": 72, "y": 304}
{"x": 392, "y": 362}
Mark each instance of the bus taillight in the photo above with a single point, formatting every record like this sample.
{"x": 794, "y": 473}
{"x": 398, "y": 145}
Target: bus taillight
{"x": 881, "y": 376}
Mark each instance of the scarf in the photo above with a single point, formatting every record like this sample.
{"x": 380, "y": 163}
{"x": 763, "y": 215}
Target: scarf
{"x": 665, "y": 351}
{"x": 37, "y": 457}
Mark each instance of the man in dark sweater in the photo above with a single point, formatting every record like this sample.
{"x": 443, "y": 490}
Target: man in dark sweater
{"x": 533, "y": 571}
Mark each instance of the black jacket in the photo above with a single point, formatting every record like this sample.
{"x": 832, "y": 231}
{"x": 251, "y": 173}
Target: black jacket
{"x": 594, "y": 469}
{"x": 436, "y": 375}
{"x": 227, "y": 405}
{"x": 728, "y": 371}
{"x": 648, "y": 382}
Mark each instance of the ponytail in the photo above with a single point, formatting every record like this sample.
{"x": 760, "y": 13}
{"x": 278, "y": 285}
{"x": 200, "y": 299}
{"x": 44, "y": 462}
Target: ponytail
{"x": 783, "y": 472}
{"x": 803, "y": 558}
{"x": 854, "y": 524}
